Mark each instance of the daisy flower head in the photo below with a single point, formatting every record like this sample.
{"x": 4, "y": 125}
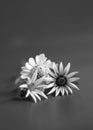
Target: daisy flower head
{"x": 34, "y": 88}
{"x": 61, "y": 81}
{"x": 40, "y": 63}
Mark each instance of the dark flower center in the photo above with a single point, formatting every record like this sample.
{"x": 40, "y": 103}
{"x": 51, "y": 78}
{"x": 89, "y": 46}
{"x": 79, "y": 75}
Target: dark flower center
{"x": 61, "y": 80}
{"x": 39, "y": 75}
{"x": 23, "y": 92}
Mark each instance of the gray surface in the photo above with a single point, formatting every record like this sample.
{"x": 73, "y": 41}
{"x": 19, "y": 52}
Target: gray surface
{"x": 63, "y": 31}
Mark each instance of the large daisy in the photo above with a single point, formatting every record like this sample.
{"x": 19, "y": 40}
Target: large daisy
{"x": 60, "y": 80}
{"x": 40, "y": 63}
{"x": 34, "y": 87}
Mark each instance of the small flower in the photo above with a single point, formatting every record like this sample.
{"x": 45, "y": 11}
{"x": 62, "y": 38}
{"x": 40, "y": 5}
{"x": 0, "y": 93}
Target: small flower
{"x": 34, "y": 88}
{"x": 61, "y": 81}
{"x": 41, "y": 64}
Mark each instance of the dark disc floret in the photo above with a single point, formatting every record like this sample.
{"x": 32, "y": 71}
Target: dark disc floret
{"x": 61, "y": 81}
{"x": 23, "y": 92}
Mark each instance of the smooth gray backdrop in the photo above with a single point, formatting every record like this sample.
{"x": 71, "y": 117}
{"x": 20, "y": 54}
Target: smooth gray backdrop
{"x": 63, "y": 30}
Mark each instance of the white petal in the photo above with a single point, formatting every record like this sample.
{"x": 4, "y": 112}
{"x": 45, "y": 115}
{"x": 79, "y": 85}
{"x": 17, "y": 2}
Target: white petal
{"x": 57, "y": 91}
{"x": 37, "y": 96}
{"x": 37, "y": 58}
{"x": 52, "y": 90}
{"x": 48, "y": 63}
{"x": 32, "y": 95}
{"x": 40, "y": 59}
{"x": 70, "y": 90}
{"x": 67, "y": 68}
{"x": 32, "y": 62}
{"x": 61, "y": 68}
{"x": 24, "y": 77}
{"x": 50, "y": 85}
{"x": 17, "y": 80}
{"x": 28, "y": 66}
{"x": 73, "y": 85}
{"x": 66, "y": 91}
{"x": 73, "y": 79}
{"x": 42, "y": 86}
{"x": 55, "y": 67}
{"x": 39, "y": 81}
{"x": 72, "y": 74}
{"x": 49, "y": 79}
{"x": 28, "y": 93}
{"x": 62, "y": 91}
{"x": 34, "y": 77}
{"x": 24, "y": 73}
{"x": 41, "y": 93}
{"x": 23, "y": 86}
{"x": 51, "y": 73}
{"x": 25, "y": 69}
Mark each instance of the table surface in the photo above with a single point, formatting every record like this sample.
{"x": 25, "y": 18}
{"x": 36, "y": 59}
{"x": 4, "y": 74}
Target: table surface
{"x": 30, "y": 28}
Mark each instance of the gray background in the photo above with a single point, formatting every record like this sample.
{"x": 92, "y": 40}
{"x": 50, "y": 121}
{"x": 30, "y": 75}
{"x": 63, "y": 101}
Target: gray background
{"x": 63, "y": 30}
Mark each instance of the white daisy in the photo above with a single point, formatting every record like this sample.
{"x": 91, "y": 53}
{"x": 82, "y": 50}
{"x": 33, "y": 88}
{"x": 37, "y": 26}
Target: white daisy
{"x": 61, "y": 81}
{"x": 40, "y": 63}
{"x": 34, "y": 87}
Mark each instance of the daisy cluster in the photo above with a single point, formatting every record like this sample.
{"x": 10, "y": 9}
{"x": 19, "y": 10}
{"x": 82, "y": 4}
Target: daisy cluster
{"x": 41, "y": 74}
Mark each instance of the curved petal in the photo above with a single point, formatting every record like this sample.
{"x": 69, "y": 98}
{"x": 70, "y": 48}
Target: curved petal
{"x": 52, "y": 90}
{"x": 37, "y": 96}
{"x": 24, "y": 68}
{"x": 67, "y": 68}
{"x": 41, "y": 93}
{"x": 42, "y": 86}
{"x": 34, "y": 77}
{"x": 55, "y": 68}
{"x": 40, "y": 59}
{"x": 28, "y": 66}
{"x": 48, "y": 63}
{"x": 73, "y": 85}
{"x": 23, "y": 86}
{"x": 39, "y": 81}
{"x": 28, "y": 93}
{"x": 70, "y": 90}
{"x": 25, "y": 71}
{"x": 62, "y": 91}
{"x": 17, "y": 80}
{"x": 32, "y": 62}
{"x": 72, "y": 74}
{"x": 74, "y": 79}
{"x": 61, "y": 68}
{"x": 33, "y": 96}
{"x": 49, "y": 79}
{"x": 50, "y": 85}
{"x": 23, "y": 76}
{"x": 66, "y": 91}
{"x": 51, "y": 73}
{"x": 57, "y": 91}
